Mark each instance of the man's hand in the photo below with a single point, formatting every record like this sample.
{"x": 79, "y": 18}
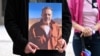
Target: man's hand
{"x": 61, "y": 45}
{"x": 31, "y": 48}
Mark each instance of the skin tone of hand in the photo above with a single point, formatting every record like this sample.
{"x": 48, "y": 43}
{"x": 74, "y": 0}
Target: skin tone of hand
{"x": 86, "y": 32}
{"x": 61, "y": 45}
{"x": 31, "y": 48}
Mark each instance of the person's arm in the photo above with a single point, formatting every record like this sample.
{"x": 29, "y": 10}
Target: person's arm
{"x": 66, "y": 21}
{"x": 97, "y": 26}
{"x": 12, "y": 27}
{"x": 85, "y": 30}
{"x": 77, "y": 26}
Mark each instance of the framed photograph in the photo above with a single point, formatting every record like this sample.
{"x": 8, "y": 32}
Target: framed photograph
{"x": 45, "y": 25}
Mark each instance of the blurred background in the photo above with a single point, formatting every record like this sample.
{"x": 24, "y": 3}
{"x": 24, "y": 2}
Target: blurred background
{"x": 6, "y": 43}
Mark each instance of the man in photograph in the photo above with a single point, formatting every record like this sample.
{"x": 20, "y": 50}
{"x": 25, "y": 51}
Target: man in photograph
{"x": 46, "y": 34}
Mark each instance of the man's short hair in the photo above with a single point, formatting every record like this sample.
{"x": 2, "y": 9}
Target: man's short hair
{"x": 47, "y": 7}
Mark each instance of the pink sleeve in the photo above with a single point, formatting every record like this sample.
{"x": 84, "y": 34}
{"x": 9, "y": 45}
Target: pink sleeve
{"x": 71, "y": 5}
{"x": 98, "y": 1}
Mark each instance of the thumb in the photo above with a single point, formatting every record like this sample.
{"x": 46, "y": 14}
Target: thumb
{"x": 34, "y": 46}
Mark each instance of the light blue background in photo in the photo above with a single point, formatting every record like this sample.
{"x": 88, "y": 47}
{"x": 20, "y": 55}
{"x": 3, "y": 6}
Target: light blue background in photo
{"x": 35, "y": 9}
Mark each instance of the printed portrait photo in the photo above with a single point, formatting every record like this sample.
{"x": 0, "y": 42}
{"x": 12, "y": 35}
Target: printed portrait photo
{"x": 45, "y": 25}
